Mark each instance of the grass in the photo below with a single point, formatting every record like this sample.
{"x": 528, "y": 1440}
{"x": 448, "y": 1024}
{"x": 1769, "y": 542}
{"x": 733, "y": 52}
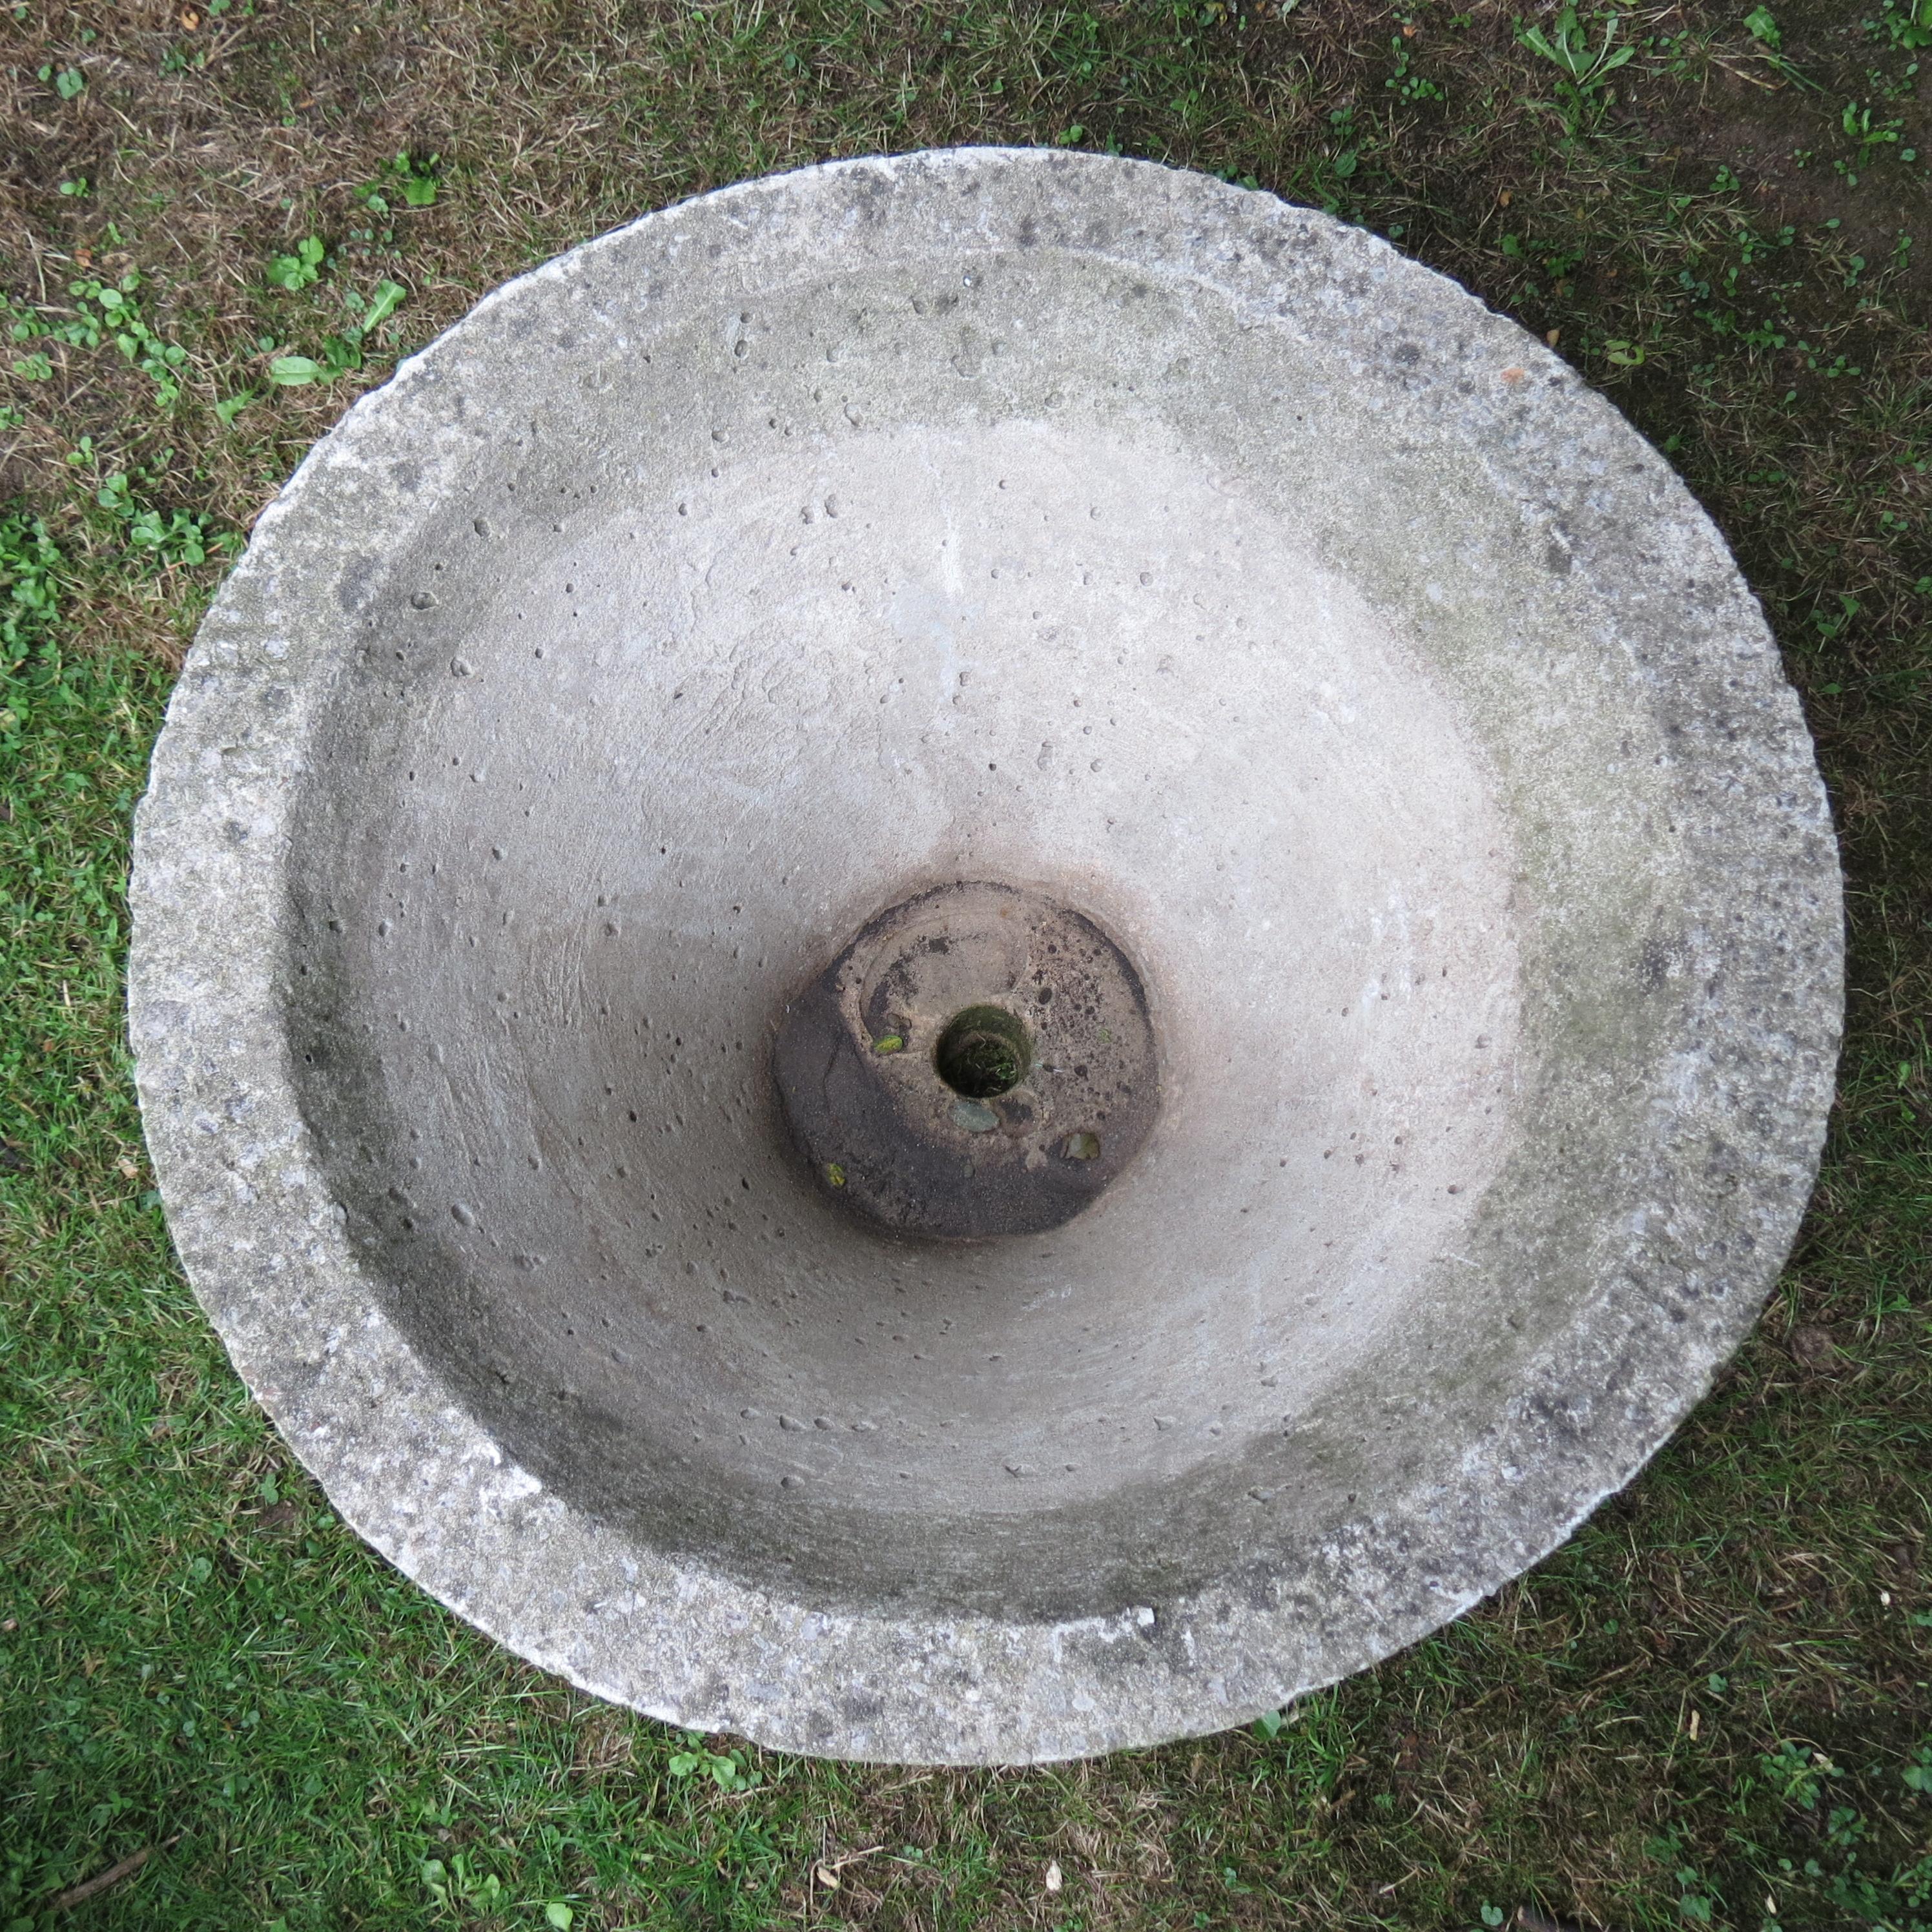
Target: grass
{"x": 218, "y": 222}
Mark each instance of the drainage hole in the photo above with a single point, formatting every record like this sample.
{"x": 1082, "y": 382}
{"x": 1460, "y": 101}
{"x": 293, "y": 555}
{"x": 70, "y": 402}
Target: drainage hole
{"x": 983, "y": 1052}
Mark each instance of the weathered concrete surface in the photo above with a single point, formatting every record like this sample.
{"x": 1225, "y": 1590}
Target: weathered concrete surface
{"x": 1069, "y": 522}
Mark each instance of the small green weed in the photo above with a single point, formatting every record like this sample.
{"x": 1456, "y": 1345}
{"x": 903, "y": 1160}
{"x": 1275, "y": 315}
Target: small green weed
{"x": 1405, "y": 83}
{"x": 1695, "y": 1897}
{"x": 29, "y": 589}
{"x": 1762, "y": 25}
{"x": 1905, "y": 23}
{"x": 178, "y": 537}
{"x": 106, "y": 309}
{"x": 460, "y": 1888}
{"x": 727, "y": 1770}
{"x": 342, "y": 352}
{"x": 413, "y": 177}
{"x": 1581, "y": 93}
{"x": 1858, "y": 123}
{"x": 1796, "y": 1774}
{"x": 300, "y": 270}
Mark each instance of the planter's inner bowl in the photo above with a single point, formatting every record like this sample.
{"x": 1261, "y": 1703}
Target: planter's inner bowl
{"x": 587, "y": 823}
{"x": 1105, "y": 538}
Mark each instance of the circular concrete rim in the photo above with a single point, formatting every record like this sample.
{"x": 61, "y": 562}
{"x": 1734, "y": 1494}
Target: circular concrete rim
{"x": 261, "y": 1241}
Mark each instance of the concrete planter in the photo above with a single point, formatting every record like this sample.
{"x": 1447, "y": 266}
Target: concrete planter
{"x": 1204, "y": 576}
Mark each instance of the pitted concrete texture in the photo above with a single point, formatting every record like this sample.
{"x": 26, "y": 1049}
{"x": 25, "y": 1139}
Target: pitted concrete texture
{"x": 1065, "y": 522}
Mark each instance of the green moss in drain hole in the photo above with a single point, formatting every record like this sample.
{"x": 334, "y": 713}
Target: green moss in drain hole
{"x": 984, "y": 1052}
